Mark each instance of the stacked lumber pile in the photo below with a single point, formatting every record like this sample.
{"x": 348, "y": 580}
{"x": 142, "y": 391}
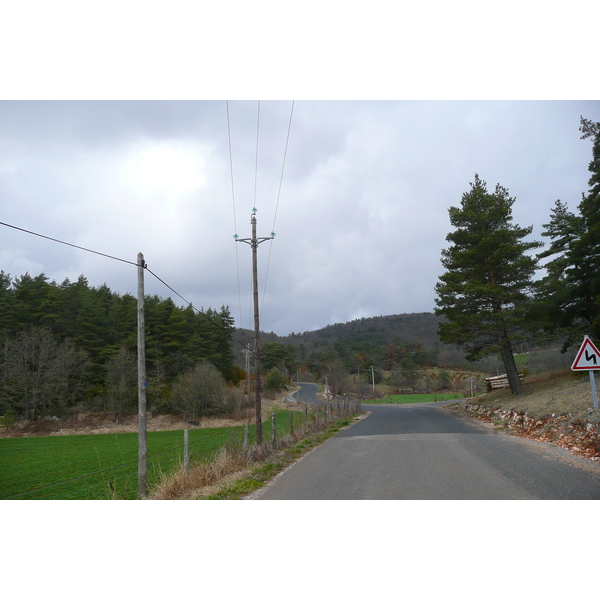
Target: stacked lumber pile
{"x": 498, "y": 382}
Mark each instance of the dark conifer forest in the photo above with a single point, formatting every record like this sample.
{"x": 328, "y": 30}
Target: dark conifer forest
{"x": 71, "y": 344}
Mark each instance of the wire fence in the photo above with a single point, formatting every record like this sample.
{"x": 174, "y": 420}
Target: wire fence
{"x": 104, "y": 466}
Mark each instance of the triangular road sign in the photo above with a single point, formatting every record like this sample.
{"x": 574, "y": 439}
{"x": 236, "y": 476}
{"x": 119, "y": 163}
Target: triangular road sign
{"x": 588, "y": 357}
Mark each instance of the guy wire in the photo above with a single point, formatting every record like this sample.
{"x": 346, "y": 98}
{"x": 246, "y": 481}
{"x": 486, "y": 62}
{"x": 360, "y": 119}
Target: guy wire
{"x": 277, "y": 206}
{"x": 237, "y": 260}
{"x": 256, "y": 165}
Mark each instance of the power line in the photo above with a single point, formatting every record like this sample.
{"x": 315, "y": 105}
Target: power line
{"x": 68, "y": 244}
{"x": 237, "y": 260}
{"x": 277, "y": 204}
{"x": 231, "y": 166}
{"x": 125, "y": 261}
{"x": 283, "y": 165}
{"x": 256, "y": 164}
{"x": 214, "y": 323}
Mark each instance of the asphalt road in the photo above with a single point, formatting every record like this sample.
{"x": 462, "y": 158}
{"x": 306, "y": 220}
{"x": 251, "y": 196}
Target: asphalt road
{"x": 308, "y": 393}
{"x": 424, "y": 452}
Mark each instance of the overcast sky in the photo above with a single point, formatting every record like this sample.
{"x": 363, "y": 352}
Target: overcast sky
{"x": 363, "y": 210}
{"x": 360, "y": 217}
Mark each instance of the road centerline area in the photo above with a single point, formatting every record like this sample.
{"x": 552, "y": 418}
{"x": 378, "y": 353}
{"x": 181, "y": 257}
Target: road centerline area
{"x": 423, "y": 452}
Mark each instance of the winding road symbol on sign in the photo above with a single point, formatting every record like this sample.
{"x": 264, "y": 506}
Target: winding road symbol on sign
{"x": 588, "y": 357}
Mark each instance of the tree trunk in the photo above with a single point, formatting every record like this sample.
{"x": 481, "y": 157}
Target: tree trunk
{"x": 511, "y": 368}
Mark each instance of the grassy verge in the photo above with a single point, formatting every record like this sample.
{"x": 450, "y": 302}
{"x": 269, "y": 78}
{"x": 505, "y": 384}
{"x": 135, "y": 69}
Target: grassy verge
{"x": 103, "y": 466}
{"x": 414, "y": 398}
{"x": 555, "y": 407}
{"x": 556, "y": 392}
{"x": 232, "y": 476}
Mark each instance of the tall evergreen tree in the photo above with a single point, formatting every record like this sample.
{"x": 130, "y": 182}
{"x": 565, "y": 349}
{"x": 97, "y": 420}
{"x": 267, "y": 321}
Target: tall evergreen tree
{"x": 569, "y": 294}
{"x": 7, "y": 319}
{"x": 484, "y": 292}
{"x": 586, "y": 252}
{"x": 555, "y": 307}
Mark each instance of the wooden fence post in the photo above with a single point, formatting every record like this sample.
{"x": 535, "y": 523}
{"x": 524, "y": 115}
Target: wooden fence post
{"x": 291, "y": 422}
{"x": 273, "y": 434}
{"x": 246, "y": 432}
{"x": 186, "y": 450}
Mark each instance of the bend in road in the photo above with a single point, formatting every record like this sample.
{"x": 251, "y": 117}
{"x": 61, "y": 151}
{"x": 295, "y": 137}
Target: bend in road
{"x": 422, "y": 451}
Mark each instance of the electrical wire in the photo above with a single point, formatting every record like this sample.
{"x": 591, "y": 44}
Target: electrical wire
{"x": 68, "y": 244}
{"x": 237, "y": 259}
{"x": 277, "y": 206}
{"x": 256, "y": 164}
{"x": 130, "y": 263}
{"x": 283, "y": 165}
{"x": 214, "y": 323}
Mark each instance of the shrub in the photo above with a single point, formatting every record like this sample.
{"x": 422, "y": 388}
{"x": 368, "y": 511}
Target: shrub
{"x": 199, "y": 392}
{"x": 275, "y": 380}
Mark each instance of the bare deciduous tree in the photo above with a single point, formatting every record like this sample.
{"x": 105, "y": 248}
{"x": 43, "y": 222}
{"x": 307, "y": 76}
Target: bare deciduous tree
{"x": 41, "y": 376}
{"x": 199, "y": 392}
{"x": 121, "y": 382}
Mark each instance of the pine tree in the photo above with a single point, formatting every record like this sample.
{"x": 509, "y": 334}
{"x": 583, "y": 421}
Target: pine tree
{"x": 555, "y": 308}
{"x": 7, "y": 301}
{"x": 569, "y": 295}
{"x": 586, "y": 252}
{"x": 484, "y": 292}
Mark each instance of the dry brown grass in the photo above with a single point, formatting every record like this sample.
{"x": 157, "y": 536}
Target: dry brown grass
{"x": 233, "y": 464}
{"x": 561, "y": 392}
{"x": 186, "y": 486}
{"x": 554, "y": 407}
{"x": 90, "y": 423}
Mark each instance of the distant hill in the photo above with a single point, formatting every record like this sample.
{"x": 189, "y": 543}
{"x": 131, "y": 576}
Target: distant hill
{"x": 367, "y": 335}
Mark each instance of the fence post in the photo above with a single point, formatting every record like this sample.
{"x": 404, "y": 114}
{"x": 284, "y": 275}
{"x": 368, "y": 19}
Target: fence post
{"x": 246, "y": 432}
{"x": 291, "y": 422}
{"x": 186, "y": 450}
{"x": 273, "y": 435}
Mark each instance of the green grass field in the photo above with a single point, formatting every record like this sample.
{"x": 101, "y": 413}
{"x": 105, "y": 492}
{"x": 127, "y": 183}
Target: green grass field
{"x": 521, "y": 360}
{"x": 102, "y": 466}
{"x": 414, "y": 398}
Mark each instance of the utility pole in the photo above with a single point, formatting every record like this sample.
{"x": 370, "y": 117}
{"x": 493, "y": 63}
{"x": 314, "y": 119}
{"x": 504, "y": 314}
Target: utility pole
{"x": 142, "y": 418}
{"x": 254, "y": 242}
{"x": 247, "y": 352}
{"x": 373, "y": 377}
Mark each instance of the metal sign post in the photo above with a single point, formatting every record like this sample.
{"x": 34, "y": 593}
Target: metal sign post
{"x": 593, "y": 384}
{"x": 588, "y": 359}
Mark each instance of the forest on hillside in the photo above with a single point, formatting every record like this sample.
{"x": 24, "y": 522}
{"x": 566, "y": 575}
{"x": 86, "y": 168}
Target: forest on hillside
{"x": 72, "y": 346}
{"x": 387, "y": 343}
{"x": 69, "y": 344}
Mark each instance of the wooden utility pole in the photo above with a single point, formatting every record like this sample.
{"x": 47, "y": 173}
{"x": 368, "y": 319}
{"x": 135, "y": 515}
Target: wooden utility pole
{"x": 247, "y": 352}
{"x": 373, "y": 377}
{"x": 142, "y": 418}
{"x": 254, "y": 242}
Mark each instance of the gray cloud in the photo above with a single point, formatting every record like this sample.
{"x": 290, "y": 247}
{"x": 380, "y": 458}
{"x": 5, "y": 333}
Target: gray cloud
{"x": 362, "y": 213}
